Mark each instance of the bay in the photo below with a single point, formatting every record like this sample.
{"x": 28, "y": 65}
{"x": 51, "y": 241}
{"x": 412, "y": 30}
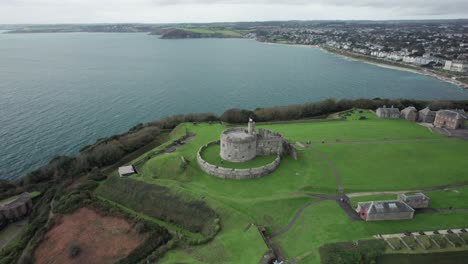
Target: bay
{"x": 60, "y": 92}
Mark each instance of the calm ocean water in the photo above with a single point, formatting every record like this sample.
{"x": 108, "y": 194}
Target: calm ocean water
{"x": 59, "y": 92}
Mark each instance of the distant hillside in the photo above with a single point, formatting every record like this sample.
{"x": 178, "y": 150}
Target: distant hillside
{"x": 181, "y": 33}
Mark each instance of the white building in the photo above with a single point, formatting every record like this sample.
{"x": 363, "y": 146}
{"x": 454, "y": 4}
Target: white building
{"x": 457, "y": 66}
{"x": 126, "y": 170}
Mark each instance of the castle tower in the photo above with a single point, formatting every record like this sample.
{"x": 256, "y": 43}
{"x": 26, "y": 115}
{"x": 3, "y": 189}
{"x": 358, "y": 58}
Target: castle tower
{"x": 251, "y": 127}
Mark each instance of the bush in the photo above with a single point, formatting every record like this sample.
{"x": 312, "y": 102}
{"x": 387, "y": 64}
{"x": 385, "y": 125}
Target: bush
{"x": 364, "y": 251}
{"x": 236, "y": 116}
{"x": 96, "y": 175}
{"x": 73, "y": 250}
{"x": 161, "y": 203}
{"x": 141, "y": 227}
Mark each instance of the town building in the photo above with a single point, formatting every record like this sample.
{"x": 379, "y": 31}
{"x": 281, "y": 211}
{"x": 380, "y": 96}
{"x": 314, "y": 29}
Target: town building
{"x": 384, "y": 210}
{"x": 410, "y": 113}
{"x": 416, "y": 200}
{"x": 16, "y": 209}
{"x": 426, "y": 115}
{"x": 456, "y": 66}
{"x": 450, "y": 119}
{"x": 126, "y": 171}
{"x": 385, "y": 112}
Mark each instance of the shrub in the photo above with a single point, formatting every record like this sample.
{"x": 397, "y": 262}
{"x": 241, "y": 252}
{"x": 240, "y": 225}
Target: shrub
{"x": 73, "y": 250}
{"x": 161, "y": 203}
{"x": 141, "y": 227}
{"x": 96, "y": 175}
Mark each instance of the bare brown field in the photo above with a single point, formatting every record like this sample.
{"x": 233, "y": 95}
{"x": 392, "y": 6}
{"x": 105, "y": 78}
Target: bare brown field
{"x": 101, "y": 239}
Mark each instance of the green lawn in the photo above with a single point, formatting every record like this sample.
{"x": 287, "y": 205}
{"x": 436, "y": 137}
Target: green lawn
{"x": 398, "y": 165}
{"x": 211, "y": 155}
{"x": 455, "y": 197}
{"x": 273, "y": 200}
{"x": 226, "y": 32}
{"x": 333, "y": 131}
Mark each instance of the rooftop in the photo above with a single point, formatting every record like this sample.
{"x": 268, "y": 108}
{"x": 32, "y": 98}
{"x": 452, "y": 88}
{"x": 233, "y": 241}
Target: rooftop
{"x": 125, "y": 170}
{"x": 383, "y": 207}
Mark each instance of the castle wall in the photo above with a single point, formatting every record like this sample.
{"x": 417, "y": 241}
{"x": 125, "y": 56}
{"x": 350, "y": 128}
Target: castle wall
{"x": 237, "y": 174}
{"x": 269, "y": 143}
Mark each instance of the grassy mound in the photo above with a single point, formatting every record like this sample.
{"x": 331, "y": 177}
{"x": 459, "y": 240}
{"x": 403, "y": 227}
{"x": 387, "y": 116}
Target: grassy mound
{"x": 211, "y": 155}
{"x": 161, "y": 203}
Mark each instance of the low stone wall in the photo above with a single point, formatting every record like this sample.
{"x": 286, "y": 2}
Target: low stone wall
{"x": 238, "y": 174}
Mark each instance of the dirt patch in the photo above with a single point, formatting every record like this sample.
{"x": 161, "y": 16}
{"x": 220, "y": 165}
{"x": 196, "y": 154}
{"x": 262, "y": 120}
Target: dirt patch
{"x": 101, "y": 239}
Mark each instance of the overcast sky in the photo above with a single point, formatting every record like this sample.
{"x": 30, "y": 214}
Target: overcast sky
{"x": 167, "y": 11}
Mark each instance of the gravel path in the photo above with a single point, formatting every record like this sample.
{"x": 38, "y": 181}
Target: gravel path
{"x": 333, "y": 169}
{"x": 294, "y": 219}
{"x": 428, "y": 189}
{"x": 384, "y": 141}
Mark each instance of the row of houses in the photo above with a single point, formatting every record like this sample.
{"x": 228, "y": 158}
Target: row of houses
{"x": 400, "y": 209}
{"x": 426, "y": 59}
{"x": 457, "y": 66}
{"x": 451, "y": 119}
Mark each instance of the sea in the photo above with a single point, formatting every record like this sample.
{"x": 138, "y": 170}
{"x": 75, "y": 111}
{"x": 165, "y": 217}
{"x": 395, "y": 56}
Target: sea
{"x": 62, "y": 91}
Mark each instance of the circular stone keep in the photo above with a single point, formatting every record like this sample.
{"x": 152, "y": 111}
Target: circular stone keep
{"x": 237, "y": 145}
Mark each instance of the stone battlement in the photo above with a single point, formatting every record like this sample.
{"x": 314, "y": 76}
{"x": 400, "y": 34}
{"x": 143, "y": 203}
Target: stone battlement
{"x": 237, "y": 174}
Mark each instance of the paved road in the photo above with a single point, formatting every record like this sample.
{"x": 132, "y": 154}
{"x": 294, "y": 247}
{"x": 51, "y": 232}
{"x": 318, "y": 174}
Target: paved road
{"x": 383, "y": 141}
{"x": 428, "y": 189}
{"x": 440, "y": 210}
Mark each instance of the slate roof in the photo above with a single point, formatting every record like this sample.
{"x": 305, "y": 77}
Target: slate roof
{"x": 384, "y": 207}
{"x": 126, "y": 170}
{"x": 409, "y": 109}
{"x": 414, "y": 197}
{"x": 426, "y": 111}
{"x": 389, "y": 110}
{"x": 456, "y": 114}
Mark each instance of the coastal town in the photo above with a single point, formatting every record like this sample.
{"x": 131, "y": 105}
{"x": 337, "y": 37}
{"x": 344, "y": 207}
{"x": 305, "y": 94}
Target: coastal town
{"x": 442, "y": 45}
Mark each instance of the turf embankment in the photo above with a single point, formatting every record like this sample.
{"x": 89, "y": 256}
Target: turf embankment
{"x": 161, "y": 203}
{"x": 211, "y": 155}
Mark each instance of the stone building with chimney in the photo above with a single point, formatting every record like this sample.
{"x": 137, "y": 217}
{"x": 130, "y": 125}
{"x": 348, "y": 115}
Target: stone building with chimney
{"x": 390, "y": 113}
{"x": 450, "y": 119}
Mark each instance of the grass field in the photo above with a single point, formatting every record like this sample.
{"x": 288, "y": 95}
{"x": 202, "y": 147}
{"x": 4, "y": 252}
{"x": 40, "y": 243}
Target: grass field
{"x": 369, "y": 155}
{"x": 226, "y": 32}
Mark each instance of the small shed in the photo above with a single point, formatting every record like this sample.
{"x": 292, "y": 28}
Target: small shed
{"x": 426, "y": 115}
{"x": 385, "y": 112}
{"x": 415, "y": 200}
{"x": 384, "y": 210}
{"x": 127, "y": 170}
{"x": 410, "y": 113}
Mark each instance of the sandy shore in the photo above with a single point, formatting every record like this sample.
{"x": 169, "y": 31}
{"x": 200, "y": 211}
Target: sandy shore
{"x": 417, "y": 71}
